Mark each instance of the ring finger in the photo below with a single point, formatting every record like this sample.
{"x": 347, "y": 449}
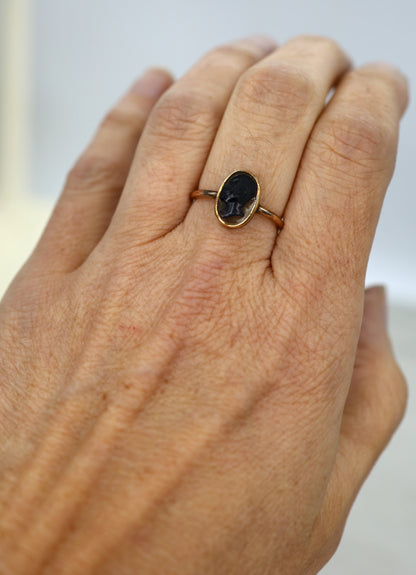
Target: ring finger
{"x": 264, "y": 131}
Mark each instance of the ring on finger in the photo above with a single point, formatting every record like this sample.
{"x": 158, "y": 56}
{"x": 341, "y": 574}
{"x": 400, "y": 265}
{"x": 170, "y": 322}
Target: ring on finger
{"x": 237, "y": 200}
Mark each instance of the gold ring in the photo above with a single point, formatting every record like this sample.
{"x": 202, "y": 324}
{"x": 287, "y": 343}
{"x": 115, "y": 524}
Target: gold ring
{"x": 237, "y": 200}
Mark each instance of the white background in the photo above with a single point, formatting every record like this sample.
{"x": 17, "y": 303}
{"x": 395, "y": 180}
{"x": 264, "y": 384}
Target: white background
{"x": 85, "y": 53}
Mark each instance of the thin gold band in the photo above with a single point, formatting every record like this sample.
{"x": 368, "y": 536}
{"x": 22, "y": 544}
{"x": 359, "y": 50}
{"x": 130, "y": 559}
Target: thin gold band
{"x": 276, "y": 219}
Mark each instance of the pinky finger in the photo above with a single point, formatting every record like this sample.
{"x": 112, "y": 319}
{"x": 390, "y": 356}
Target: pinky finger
{"x": 374, "y": 408}
{"x": 94, "y": 185}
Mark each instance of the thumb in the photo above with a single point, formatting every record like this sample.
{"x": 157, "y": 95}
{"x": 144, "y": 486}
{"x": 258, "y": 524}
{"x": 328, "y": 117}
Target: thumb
{"x": 374, "y": 408}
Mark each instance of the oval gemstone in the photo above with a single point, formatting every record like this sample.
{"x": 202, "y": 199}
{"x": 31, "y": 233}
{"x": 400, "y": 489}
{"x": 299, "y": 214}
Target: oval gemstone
{"x": 237, "y": 199}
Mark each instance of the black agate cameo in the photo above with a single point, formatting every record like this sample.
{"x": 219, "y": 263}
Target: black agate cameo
{"x": 237, "y": 199}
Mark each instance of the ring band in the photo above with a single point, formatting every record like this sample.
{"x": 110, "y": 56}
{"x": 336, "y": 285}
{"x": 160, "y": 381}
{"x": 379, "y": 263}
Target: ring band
{"x": 237, "y": 200}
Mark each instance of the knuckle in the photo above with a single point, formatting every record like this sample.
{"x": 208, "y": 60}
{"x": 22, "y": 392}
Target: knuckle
{"x": 387, "y": 412}
{"x": 332, "y": 543}
{"x": 181, "y": 114}
{"x": 399, "y": 394}
{"x": 93, "y": 171}
{"x": 327, "y": 536}
{"x": 284, "y": 88}
{"x": 356, "y": 143}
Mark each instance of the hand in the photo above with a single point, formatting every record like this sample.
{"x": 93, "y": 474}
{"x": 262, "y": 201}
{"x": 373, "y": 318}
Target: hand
{"x": 179, "y": 397}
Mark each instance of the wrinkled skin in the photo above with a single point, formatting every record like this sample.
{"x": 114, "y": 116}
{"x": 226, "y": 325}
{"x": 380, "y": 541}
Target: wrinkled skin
{"x": 179, "y": 397}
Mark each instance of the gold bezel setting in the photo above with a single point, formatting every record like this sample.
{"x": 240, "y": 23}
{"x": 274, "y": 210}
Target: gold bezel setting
{"x": 252, "y": 208}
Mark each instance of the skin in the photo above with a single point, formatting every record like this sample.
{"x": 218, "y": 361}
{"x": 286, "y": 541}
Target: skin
{"x": 179, "y": 397}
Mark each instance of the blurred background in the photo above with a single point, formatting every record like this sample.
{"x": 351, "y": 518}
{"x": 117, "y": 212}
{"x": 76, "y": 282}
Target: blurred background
{"x": 63, "y": 64}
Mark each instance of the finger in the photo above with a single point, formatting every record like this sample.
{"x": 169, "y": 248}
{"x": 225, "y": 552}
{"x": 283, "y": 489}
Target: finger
{"x": 347, "y": 165}
{"x": 320, "y": 259}
{"x": 177, "y": 139}
{"x": 373, "y": 410}
{"x": 264, "y": 130}
{"x": 94, "y": 184}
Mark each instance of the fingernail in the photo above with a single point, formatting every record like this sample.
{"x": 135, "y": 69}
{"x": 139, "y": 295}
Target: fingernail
{"x": 152, "y": 83}
{"x": 265, "y": 43}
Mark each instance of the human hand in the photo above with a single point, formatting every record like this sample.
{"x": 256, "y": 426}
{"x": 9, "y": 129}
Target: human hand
{"x": 179, "y": 397}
